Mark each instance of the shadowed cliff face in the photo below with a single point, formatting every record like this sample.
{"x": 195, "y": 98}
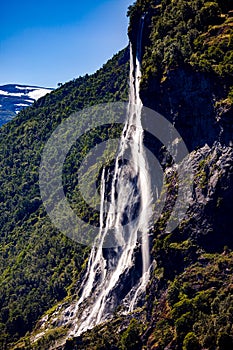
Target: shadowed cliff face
{"x": 188, "y": 99}
{"x": 209, "y": 221}
{"x": 187, "y": 73}
{"x": 196, "y": 101}
{"x": 192, "y": 101}
{"x": 192, "y": 282}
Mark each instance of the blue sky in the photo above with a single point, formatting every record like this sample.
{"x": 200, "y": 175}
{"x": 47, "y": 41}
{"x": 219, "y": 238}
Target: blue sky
{"x": 50, "y": 41}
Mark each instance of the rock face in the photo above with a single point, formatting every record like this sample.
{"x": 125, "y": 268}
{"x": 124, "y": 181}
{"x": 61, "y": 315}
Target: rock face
{"x": 195, "y": 100}
{"x": 210, "y": 210}
{"x": 189, "y": 297}
{"x": 189, "y": 100}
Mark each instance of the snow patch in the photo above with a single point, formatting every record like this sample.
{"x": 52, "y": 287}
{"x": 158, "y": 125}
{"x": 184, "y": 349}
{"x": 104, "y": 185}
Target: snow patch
{"x": 38, "y": 93}
{"x": 21, "y": 105}
{"x": 6, "y": 93}
{"x": 32, "y": 93}
{"x": 25, "y": 88}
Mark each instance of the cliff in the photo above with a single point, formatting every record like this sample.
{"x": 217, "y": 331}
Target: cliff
{"x": 187, "y": 77}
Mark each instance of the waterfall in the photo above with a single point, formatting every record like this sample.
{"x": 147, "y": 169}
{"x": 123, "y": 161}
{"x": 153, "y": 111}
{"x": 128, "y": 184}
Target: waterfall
{"x": 126, "y": 222}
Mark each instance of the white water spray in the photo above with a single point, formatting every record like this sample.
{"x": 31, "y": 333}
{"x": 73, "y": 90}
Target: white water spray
{"x": 127, "y": 221}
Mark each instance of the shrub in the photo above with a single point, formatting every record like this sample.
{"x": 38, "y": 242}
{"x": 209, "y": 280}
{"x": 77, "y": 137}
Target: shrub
{"x": 130, "y": 339}
{"x": 191, "y": 342}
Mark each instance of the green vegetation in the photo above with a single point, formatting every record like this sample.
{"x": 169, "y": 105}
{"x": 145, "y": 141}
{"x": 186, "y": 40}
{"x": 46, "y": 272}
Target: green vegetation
{"x": 130, "y": 339}
{"x": 6, "y": 116}
{"x": 38, "y": 265}
{"x": 189, "y": 302}
{"x": 196, "y": 33}
{"x": 194, "y": 312}
{"x": 199, "y": 302}
{"x": 191, "y": 342}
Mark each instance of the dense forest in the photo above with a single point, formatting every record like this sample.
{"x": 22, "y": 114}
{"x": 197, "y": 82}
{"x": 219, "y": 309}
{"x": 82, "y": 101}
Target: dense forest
{"x": 187, "y": 76}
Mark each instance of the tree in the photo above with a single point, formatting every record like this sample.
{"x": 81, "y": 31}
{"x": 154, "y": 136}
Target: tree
{"x": 130, "y": 339}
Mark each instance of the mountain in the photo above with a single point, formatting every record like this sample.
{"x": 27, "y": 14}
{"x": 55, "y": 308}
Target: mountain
{"x": 186, "y": 75}
{"x": 38, "y": 265}
{"x": 14, "y": 97}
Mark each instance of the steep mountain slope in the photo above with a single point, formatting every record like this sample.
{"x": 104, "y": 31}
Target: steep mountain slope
{"x": 187, "y": 77}
{"x": 38, "y": 265}
{"x": 13, "y": 98}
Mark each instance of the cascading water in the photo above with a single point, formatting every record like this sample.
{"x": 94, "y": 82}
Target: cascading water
{"x": 126, "y": 223}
